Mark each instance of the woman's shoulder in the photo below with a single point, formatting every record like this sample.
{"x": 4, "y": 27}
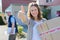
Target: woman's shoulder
{"x": 44, "y": 19}
{"x": 31, "y": 21}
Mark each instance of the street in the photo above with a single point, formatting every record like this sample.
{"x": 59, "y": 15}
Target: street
{"x": 4, "y": 34}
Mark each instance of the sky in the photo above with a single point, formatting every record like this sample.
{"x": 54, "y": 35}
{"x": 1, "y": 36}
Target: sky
{"x": 0, "y": 5}
{"x": 0, "y": 1}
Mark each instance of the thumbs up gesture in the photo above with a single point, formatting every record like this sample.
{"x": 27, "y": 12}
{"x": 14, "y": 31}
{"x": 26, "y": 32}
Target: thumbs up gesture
{"x": 21, "y": 14}
{"x": 22, "y": 9}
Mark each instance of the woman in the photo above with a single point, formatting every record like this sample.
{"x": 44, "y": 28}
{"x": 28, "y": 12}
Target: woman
{"x": 35, "y": 15}
{"x": 35, "y": 18}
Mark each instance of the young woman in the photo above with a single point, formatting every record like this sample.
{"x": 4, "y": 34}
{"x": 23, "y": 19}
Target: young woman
{"x": 35, "y": 15}
{"x": 35, "y": 18}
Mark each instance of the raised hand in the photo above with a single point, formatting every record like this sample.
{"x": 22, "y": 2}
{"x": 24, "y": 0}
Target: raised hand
{"x": 22, "y": 9}
{"x": 21, "y": 14}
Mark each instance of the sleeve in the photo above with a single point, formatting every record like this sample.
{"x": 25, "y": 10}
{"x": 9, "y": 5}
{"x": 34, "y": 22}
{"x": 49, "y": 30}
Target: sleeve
{"x": 44, "y": 19}
{"x": 30, "y": 29}
{"x": 12, "y": 20}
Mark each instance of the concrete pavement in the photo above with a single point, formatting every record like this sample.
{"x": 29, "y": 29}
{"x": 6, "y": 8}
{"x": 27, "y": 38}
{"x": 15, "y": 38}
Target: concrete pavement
{"x": 4, "y": 34}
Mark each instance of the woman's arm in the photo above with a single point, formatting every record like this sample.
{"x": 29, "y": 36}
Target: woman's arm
{"x": 22, "y": 15}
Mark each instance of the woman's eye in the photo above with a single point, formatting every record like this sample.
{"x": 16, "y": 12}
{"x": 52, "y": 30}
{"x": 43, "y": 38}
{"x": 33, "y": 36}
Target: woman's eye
{"x": 35, "y": 9}
{"x": 32, "y": 10}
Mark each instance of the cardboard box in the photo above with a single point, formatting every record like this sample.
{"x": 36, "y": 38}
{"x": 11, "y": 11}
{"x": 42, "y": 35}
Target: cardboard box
{"x": 50, "y": 29}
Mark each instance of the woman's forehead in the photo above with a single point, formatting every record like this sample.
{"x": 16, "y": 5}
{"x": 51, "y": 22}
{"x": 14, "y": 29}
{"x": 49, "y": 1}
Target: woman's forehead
{"x": 33, "y": 7}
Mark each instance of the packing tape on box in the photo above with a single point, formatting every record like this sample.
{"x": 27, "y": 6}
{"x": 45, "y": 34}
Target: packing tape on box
{"x": 53, "y": 30}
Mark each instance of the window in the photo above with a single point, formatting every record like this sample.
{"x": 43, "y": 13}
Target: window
{"x": 58, "y": 13}
{"x": 48, "y": 1}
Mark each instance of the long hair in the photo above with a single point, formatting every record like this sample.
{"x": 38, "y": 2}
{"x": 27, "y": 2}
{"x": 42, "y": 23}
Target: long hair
{"x": 39, "y": 16}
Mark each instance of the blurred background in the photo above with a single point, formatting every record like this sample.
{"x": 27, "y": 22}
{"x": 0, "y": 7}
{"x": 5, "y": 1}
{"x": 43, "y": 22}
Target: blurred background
{"x": 50, "y": 9}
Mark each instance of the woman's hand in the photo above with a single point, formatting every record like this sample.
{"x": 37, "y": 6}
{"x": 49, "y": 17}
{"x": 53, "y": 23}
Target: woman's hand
{"x": 22, "y": 9}
{"x": 22, "y": 15}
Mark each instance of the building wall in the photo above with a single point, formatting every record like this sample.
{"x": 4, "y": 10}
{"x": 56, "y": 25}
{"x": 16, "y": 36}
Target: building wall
{"x": 6, "y": 3}
{"x": 43, "y": 2}
{"x": 54, "y": 10}
{"x": 16, "y": 8}
{"x": 55, "y": 6}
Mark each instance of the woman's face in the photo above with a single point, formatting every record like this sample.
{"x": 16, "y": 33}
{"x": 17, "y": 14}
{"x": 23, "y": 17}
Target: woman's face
{"x": 34, "y": 11}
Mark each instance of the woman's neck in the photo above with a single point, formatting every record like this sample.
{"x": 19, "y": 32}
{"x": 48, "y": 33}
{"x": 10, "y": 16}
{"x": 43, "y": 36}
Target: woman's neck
{"x": 36, "y": 19}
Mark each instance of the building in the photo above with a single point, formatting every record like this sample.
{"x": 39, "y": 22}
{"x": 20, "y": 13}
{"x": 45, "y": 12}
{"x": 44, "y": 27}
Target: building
{"x": 54, "y": 6}
{"x": 6, "y": 3}
{"x": 49, "y": 2}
